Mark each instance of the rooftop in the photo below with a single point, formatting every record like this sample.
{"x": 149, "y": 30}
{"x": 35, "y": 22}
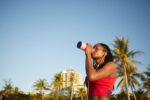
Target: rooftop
{"x": 70, "y": 69}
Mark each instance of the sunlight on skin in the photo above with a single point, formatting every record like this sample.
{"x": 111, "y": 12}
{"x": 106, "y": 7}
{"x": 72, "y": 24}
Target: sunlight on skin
{"x": 97, "y": 98}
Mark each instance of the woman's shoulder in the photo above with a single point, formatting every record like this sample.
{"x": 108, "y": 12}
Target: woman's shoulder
{"x": 111, "y": 63}
{"x": 112, "y": 68}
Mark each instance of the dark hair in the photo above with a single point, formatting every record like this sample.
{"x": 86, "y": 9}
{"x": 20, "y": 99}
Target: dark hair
{"x": 109, "y": 56}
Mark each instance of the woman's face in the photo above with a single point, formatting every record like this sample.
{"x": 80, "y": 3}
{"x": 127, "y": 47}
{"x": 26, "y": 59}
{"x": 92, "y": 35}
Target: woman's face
{"x": 98, "y": 51}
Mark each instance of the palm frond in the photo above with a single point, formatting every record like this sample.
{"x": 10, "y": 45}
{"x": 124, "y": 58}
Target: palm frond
{"x": 117, "y": 42}
{"x": 117, "y": 51}
{"x": 137, "y": 62}
{"x": 134, "y": 66}
{"x": 135, "y": 80}
{"x": 121, "y": 82}
{"x": 126, "y": 45}
{"x": 122, "y": 48}
{"x": 133, "y": 54}
{"x": 138, "y": 75}
{"x": 132, "y": 85}
{"x": 51, "y": 84}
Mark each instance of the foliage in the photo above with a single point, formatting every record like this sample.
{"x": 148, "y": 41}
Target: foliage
{"x": 41, "y": 85}
{"x": 123, "y": 57}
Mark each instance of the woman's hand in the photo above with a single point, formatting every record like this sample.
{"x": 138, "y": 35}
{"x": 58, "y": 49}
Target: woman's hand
{"x": 88, "y": 49}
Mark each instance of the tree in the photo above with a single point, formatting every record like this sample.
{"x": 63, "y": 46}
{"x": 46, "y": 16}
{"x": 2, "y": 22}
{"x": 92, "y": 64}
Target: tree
{"x": 41, "y": 85}
{"x": 81, "y": 92}
{"x": 7, "y": 87}
{"x": 123, "y": 56}
{"x": 146, "y": 81}
{"x": 122, "y": 95}
{"x": 132, "y": 76}
{"x": 16, "y": 90}
{"x": 57, "y": 84}
{"x": 72, "y": 79}
{"x": 141, "y": 95}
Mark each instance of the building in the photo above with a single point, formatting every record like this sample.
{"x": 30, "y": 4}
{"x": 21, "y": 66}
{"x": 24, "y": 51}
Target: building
{"x": 66, "y": 75}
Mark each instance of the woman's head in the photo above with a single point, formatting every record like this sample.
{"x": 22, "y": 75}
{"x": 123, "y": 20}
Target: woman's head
{"x": 102, "y": 51}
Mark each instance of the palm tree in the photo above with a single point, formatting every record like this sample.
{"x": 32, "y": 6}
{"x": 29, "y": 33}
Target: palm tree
{"x": 123, "y": 56}
{"x": 146, "y": 81}
{"x": 81, "y": 92}
{"x": 141, "y": 95}
{"x": 122, "y": 95}
{"x": 41, "y": 85}
{"x": 57, "y": 84}
{"x": 132, "y": 76}
{"x": 7, "y": 87}
{"x": 16, "y": 93}
{"x": 72, "y": 79}
{"x": 16, "y": 90}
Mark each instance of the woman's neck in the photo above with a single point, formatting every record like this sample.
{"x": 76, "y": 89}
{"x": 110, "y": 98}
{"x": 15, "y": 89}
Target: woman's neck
{"x": 99, "y": 61}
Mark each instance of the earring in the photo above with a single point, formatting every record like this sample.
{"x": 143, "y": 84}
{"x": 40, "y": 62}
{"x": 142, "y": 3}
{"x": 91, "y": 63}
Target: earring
{"x": 104, "y": 55}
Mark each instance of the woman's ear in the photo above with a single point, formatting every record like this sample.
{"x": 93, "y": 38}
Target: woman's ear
{"x": 105, "y": 54}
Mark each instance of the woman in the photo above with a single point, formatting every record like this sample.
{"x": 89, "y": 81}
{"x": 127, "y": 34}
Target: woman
{"x": 101, "y": 75}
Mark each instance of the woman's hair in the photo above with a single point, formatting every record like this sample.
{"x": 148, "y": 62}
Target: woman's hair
{"x": 109, "y": 56}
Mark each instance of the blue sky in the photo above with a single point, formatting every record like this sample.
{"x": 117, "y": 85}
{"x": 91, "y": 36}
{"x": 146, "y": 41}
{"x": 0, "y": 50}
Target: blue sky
{"x": 38, "y": 37}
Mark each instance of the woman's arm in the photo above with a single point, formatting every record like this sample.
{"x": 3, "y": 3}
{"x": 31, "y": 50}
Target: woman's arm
{"x": 93, "y": 74}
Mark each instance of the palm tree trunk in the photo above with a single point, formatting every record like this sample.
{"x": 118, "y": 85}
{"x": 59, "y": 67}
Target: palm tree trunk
{"x": 126, "y": 81}
{"x": 57, "y": 93}
{"x": 141, "y": 97}
{"x": 134, "y": 94}
{"x": 81, "y": 97}
{"x": 71, "y": 91}
{"x": 41, "y": 94}
{"x": 149, "y": 94}
{"x": 71, "y": 95}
